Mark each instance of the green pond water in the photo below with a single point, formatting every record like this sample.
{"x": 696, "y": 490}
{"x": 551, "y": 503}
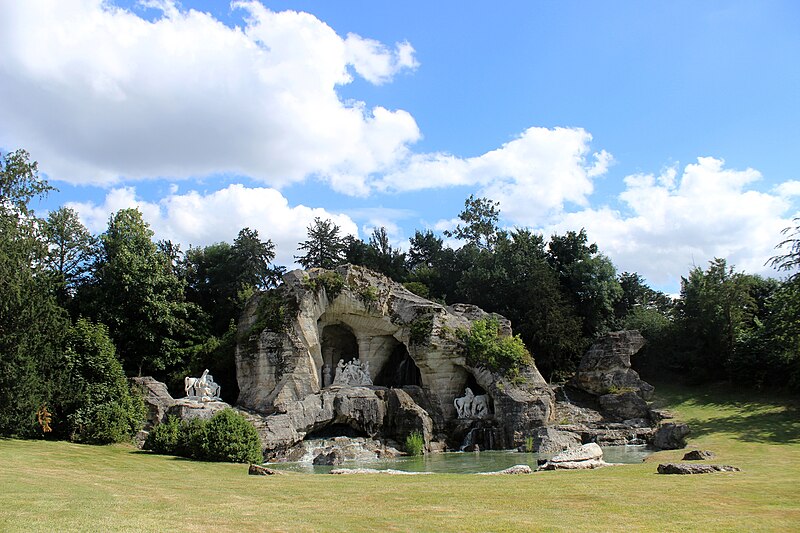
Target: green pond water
{"x": 465, "y": 462}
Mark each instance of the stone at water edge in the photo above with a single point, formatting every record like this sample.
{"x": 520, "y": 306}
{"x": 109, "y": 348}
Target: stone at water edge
{"x": 258, "y": 470}
{"x": 671, "y": 436}
{"x": 551, "y": 440}
{"x": 681, "y": 468}
{"x": 625, "y": 405}
{"x": 586, "y": 452}
{"x": 329, "y": 459}
{"x": 591, "y": 464}
{"x": 698, "y": 455}
{"x": 512, "y": 470}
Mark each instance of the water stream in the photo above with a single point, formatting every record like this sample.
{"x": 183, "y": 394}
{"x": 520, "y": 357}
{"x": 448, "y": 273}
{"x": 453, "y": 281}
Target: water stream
{"x": 464, "y": 462}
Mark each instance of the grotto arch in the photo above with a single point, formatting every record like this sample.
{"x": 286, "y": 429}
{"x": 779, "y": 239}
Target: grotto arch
{"x": 399, "y": 370}
{"x": 338, "y": 343}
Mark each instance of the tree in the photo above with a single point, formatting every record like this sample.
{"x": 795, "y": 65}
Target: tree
{"x": 480, "y": 217}
{"x": 31, "y": 322}
{"x": 431, "y": 263}
{"x": 138, "y": 296}
{"x": 588, "y": 279}
{"x": 324, "y": 247}
{"x": 714, "y": 308}
{"x": 71, "y": 250}
{"x": 791, "y": 259}
{"x": 252, "y": 260}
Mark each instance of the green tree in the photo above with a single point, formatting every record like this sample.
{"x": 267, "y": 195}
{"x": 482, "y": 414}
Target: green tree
{"x": 324, "y": 247}
{"x": 588, "y": 278}
{"x": 431, "y": 263}
{"x": 71, "y": 251}
{"x": 480, "y": 223}
{"x": 31, "y": 322}
{"x": 139, "y": 297}
{"x": 791, "y": 259}
{"x": 95, "y": 397}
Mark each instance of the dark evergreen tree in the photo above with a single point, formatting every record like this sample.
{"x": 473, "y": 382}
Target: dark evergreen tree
{"x": 324, "y": 248}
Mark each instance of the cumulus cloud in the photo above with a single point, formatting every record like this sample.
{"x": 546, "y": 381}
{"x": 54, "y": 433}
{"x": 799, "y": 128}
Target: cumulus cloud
{"x": 200, "y": 219}
{"x": 101, "y": 95}
{"x": 535, "y": 174}
{"x": 675, "y": 220}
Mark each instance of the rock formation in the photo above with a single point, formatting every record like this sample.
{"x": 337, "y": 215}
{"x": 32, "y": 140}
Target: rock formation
{"x": 606, "y": 367}
{"x": 295, "y": 340}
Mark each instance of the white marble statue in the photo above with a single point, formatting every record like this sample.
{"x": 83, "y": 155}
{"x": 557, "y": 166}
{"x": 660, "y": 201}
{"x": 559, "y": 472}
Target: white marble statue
{"x": 203, "y": 388}
{"x": 472, "y": 406}
{"x": 464, "y": 404}
{"x": 352, "y": 373}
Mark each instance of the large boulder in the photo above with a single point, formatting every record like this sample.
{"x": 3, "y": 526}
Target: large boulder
{"x": 624, "y": 406}
{"x": 671, "y": 436}
{"x": 606, "y": 366}
{"x": 549, "y": 440}
{"x": 156, "y": 398}
{"x": 683, "y": 468}
{"x": 586, "y": 452}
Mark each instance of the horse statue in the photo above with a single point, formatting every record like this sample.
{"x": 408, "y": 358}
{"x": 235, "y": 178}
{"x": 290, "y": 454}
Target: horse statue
{"x": 203, "y": 388}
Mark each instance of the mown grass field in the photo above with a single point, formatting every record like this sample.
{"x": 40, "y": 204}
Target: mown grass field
{"x": 57, "y": 486}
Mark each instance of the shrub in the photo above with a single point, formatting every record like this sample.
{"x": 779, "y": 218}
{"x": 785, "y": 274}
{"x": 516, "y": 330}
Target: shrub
{"x": 231, "y": 438}
{"x": 421, "y": 329}
{"x": 420, "y": 289}
{"x": 226, "y": 437}
{"x": 333, "y": 282}
{"x": 98, "y": 402}
{"x": 164, "y": 437}
{"x": 368, "y": 295}
{"x": 486, "y": 348}
{"x": 415, "y": 443}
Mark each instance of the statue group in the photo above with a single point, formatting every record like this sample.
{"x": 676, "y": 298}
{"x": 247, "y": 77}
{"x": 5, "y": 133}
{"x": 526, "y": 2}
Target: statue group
{"x": 203, "y": 388}
{"x": 352, "y": 373}
{"x": 472, "y": 406}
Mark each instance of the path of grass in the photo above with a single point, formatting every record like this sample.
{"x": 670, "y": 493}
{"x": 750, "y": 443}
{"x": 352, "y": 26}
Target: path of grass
{"x": 57, "y": 486}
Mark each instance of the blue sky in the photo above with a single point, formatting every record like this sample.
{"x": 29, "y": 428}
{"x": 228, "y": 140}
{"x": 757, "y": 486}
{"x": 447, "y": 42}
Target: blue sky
{"x": 668, "y": 130}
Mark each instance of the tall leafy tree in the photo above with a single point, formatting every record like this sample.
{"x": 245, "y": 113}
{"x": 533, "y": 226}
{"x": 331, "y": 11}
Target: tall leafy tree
{"x": 71, "y": 250}
{"x": 324, "y": 248}
{"x": 588, "y": 278}
{"x": 434, "y": 265}
{"x": 31, "y": 322}
{"x": 479, "y": 225}
{"x": 139, "y": 296}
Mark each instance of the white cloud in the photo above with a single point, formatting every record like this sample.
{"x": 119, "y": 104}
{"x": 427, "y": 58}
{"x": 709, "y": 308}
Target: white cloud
{"x": 100, "y": 95}
{"x": 789, "y": 189}
{"x": 534, "y": 175}
{"x": 201, "y": 219}
{"x": 672, "y": 222}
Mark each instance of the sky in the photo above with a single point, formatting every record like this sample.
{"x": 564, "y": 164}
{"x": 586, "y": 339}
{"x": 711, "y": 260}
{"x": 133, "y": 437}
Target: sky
{"x": 670, "y": 131}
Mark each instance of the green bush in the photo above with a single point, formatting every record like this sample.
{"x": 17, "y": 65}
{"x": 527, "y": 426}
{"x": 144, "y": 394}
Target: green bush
{"x": 415, "y": 443}
{"x": 485, "y": 347}
{"x": 420, "y": 289}
{"x": 226, "y": 437}
{"x": 231, "y": 438}
{"x": 164, "y": 437}
{"x": 99, "y": 405}
{"x": 421, "y": 329}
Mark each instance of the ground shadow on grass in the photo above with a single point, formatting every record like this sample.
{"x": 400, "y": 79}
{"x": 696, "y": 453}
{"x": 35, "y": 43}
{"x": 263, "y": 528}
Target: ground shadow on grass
{"x": 752, "y": 416}
{"x": 765, "y": 427}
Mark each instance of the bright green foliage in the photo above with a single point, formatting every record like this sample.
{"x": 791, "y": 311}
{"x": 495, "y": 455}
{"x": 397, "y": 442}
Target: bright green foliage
{"x": 31, "y": 323}
{"x": 231, "y": 438}
{"x": 96, "y": 398}
{"x": 420, "y": 330}
{"x": 324, "y": 248}
{"x": 226, "y": 437}
{"x": 139, "y": 297}
{"x": 164, "y": 437}
{"x": 485, "y": 347}
{"x": 415, "y": 443}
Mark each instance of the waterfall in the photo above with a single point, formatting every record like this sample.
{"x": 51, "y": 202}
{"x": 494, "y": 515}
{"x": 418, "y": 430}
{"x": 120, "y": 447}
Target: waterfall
{"x": 469, "y": 439}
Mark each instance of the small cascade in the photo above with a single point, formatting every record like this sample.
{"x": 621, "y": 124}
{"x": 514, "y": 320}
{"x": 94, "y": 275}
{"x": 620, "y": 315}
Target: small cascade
{"x": 469, "y": 439}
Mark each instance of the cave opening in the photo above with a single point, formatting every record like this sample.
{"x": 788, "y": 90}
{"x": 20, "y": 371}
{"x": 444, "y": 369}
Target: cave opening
{"x": 338, "y": 344}
{"x": 400, "y": 370}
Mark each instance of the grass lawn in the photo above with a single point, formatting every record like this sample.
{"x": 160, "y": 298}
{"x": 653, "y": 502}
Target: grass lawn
{"x": 58, "y": 486}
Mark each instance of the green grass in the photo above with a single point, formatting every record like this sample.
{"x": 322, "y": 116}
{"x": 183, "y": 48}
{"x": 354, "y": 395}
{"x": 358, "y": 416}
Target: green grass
{"x": 57, "y": 486}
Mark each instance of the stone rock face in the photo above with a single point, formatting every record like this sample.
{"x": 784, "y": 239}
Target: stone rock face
{"x": 698, "y": 455}
{"x": 681, "y": 468}
{"x": 551, "y": 440}
{"x": 334, "y": 457}
{"x": 186, "y": 409}
{"x": 408, "y": 344}
{"x": 586, "y": 452}
{"x": 624, "y": 406}
{"x": 590, "y": 464}
{"x": 606, "y": 366}
{"x": 157, "y": 399}
{"x": 258, "y": 470}
{"x": 671, "y": 436}
{"x": 511, "y": 470}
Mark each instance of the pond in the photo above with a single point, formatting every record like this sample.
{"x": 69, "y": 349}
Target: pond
{"x": 464, "y": 462}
